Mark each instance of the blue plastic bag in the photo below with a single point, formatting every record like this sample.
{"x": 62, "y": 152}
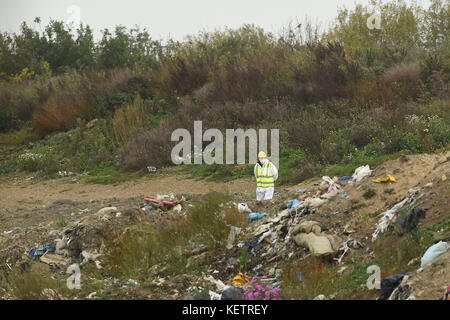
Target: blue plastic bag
{"x": 256, "y": 216}
{"x": 292, "y": 203}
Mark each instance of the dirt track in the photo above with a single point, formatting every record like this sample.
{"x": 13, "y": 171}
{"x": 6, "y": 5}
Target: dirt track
{"x": 19, "y": 192}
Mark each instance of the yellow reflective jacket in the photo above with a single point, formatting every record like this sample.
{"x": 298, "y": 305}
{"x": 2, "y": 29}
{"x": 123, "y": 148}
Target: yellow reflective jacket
{"x": 264, "y": 178}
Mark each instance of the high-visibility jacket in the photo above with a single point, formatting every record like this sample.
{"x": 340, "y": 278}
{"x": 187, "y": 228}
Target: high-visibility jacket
{"x": 264, "y": 176}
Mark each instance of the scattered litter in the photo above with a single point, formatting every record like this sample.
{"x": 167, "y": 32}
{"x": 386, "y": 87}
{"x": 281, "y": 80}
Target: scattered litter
{"x": 301, "y": 191}
{"x": 318, "y": 245}
{"x": 234, "y": 231}
{"x": 151, "y": 169}
{"x": 214, "y": 296}
{"x": 292, "y": 203}
{"x": 243, "y": 207}
{"x": 64, "y": 173}
{"x": 148, "y": 208}
{"x": 343, "y": 178}
{"x": 106, "y": 210}
{"x": 331, "y": 192}
{"x": 314, "y": 202}
{"x": 433, "y": 252}
{"x": 342, "y": 269}
{"x": 92, "y": 295}
{"x": 239, "y": 280}
{"x": 177, "y": 208}
{"x": 233, "y": 293}
{"x": 165, "y": 203}
{"x": 388, "y": 285}
{"x": 89, "y": 256}
{"x": 345, "y": 195}
{"x": 388, "y": 178}
{"x": 411, "y": 219}
{"x": 35, "y": 253}
{"x": 133, "y": 282}
{"x": 50, "y": 259}
{"x": 299, "y": 276}
{"x": 256, "y": 216}
{"x": 219, "y": 284}
{"x": 15, "y": 230}
{"x": 361, "y": 172}
{"x": 389, "y": 215}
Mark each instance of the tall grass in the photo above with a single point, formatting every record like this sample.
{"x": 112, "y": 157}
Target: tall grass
{"x": 129, "y": 121}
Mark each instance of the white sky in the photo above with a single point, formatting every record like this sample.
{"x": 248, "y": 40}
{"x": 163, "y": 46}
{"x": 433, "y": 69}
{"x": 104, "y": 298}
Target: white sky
{"x": 173, "y": 18}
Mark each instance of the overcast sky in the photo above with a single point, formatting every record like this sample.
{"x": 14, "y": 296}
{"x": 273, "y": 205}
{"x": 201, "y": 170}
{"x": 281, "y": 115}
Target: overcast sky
{"x": 173, "y": 18}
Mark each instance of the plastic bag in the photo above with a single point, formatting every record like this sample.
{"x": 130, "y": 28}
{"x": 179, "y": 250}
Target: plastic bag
{"x": 243, "y": 207}
{"x": 388, "y": 178}
{"x": 256, "y": 216}
{"x": 361, "y": 172}
{"x": 433, "y": 252}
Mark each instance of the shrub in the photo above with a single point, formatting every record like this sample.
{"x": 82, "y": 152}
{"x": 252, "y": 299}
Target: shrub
{"x": 205, "y": 220}
{"x": 131, "y": 255}
{"x": 19, "y": 137}
{"x": 129, "y": 121}
{"x": 31, "y": 285}
{"x": 44, "y": 160}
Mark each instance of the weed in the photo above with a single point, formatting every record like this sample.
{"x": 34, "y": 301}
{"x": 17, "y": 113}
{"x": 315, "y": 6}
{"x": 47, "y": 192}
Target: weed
{"x": 243, "y": 258}
{"x": 31, "y": 285}
{"x": 60, "y": 221}
{"x": 370, "y": 193}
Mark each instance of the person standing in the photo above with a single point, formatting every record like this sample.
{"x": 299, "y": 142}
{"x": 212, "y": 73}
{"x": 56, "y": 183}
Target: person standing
{"x": 266, "y": 174}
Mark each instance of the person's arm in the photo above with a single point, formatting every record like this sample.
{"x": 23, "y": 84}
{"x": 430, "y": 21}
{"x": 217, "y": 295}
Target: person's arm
{"x": 274, "y": 172}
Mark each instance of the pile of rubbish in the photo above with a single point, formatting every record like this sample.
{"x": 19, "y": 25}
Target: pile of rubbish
{"x": 297, "y": 229}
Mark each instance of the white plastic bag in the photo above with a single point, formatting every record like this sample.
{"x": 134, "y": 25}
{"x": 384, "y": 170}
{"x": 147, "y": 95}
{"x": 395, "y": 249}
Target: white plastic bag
{"x": 433, "y": 252}
{"x": 243, "y": 207}
{"x": 361, "y": 172}
{"x": 234, "y": 231}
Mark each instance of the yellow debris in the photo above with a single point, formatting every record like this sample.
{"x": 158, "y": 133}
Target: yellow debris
{"x": 444, "y": 177}
{"x": 239, "y": 280}
{"x": 388, "y": 178}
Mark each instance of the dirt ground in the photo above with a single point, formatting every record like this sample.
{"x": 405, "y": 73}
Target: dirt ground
{"x": 20, "y": 192}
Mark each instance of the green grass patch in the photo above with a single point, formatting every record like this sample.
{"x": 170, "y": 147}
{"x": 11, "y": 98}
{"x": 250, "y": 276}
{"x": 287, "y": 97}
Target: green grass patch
{"x": 371, "y": 214}
{"x": 425, "y": 237}
{"x": 106, "y": 173}
{"x": 19, "y": 137}
{"x": 370, "y": 193}
{"x": 60, "y": 221}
